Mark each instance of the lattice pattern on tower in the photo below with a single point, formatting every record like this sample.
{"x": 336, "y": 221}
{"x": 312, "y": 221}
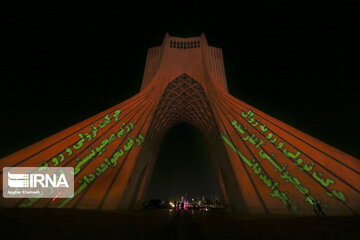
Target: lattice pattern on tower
{"x": 184, "y": 100}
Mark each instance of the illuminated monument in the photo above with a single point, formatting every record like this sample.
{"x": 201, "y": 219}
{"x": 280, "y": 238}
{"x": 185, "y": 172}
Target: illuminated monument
{"x": 262, "y": 164}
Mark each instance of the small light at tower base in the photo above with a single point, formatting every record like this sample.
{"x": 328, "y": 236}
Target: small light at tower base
{"x": 56, "y": 196}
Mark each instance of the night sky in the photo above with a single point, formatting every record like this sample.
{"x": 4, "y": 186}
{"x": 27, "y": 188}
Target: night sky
{"x": 68, "y": 61}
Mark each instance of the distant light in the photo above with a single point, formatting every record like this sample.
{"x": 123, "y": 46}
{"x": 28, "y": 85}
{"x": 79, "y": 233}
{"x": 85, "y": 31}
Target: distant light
{"x": 55, "y": 196}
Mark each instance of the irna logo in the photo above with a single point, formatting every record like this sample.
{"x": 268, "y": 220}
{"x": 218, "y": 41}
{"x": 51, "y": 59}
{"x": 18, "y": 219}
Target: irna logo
{"x": 35, "y": 180}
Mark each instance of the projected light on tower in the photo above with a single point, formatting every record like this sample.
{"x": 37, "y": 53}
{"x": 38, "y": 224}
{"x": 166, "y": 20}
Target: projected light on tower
{"x": 262, "y": 164}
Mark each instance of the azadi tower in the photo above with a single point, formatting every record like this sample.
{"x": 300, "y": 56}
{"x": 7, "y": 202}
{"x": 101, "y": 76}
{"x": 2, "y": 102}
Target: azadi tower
{"x": 263, "y": 165}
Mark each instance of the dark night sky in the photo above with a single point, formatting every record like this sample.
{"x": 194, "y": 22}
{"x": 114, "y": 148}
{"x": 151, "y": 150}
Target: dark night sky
{"x": 69, "y": 60}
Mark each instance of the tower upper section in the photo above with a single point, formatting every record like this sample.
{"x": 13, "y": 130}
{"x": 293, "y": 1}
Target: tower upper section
{"x": 192, "y": 56}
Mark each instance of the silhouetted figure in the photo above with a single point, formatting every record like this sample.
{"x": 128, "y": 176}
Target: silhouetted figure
{"x": 153, "y": 204}
{"x": 182, "y": 205}
{"x": 317, "y": 209}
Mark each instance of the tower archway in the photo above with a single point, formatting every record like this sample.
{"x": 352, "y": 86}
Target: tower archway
{"x": 184, "y": 100}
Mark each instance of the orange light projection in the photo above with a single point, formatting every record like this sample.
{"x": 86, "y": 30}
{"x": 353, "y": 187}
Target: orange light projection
{"x": 263, "y": 165}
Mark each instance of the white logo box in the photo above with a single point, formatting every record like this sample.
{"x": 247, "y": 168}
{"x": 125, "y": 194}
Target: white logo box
{"x": 35, "y": 182}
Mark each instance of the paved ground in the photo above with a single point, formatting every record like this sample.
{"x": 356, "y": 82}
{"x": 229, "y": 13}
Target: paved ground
{"x": 164, "y": 224}
{"x": 182, "y": 226}
{"x": 230, "y": 226}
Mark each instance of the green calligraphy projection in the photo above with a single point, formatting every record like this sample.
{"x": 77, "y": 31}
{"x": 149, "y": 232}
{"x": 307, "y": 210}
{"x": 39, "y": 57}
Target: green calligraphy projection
{"x": 77, "y": 146}
{"x": 254, "y": 166}
{"x": 92, "y": 153}
{"x": 88, "y": 179}
{"x": 89, "y": 136}
{"x": 261, "y": 137}
{"x": 112, "y": 161}
{"x": 294, "y": 157}
{"x": 102, "y": 147}
{"x": 286, "y": 176}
